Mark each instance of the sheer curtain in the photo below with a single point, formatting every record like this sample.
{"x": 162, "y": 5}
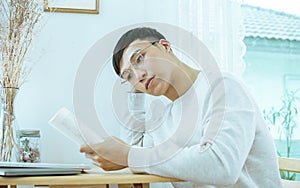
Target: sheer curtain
{"x": 218, "y": 23}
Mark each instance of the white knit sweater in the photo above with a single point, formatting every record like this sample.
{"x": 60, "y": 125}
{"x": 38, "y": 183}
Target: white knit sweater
{"x": 212, "y": 136}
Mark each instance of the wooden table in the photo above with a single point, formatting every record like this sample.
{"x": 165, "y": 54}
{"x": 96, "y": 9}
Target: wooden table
{"x": 86, "y": 180}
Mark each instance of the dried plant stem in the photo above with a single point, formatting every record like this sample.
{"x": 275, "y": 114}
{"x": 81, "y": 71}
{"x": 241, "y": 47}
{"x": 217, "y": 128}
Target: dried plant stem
{"x": 8, "y": 118}
{"x": 18, "y": 19}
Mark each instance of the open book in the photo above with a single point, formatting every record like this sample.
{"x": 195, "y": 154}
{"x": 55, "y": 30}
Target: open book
{"x": 65, "y": 122}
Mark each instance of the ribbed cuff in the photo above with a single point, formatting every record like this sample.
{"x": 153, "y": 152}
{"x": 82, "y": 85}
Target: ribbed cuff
{"x": 137, "y": 159}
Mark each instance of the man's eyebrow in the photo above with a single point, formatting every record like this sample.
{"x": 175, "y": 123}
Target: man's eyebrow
{"x": 134, "y": 53}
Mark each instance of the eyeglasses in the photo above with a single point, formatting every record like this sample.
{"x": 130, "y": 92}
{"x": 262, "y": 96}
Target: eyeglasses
{"x": 136, "y": 61}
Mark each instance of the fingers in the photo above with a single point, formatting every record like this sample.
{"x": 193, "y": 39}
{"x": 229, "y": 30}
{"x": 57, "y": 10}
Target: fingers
{"x": 110, "y": 154}
{"x": 95, "y": 158}
{"x": 103, "y": 163}
{"x": 99, "y": 161}
{"x": 107, "y": 165}
{"x": 101, "y": 145}
{"x": 87, "y": 149}
{"x": 92, "y": 156}
{"x": 90, "y": 148}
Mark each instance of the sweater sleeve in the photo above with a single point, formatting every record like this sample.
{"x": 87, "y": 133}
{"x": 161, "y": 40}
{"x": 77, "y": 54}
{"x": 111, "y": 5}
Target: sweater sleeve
{"x": 218, "y": 158}
{"x": 133, "y": 129}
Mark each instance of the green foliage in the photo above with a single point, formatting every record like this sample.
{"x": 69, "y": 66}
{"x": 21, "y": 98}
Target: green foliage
{"x": 287, "y": 175}
{"x": 283, "y": 119}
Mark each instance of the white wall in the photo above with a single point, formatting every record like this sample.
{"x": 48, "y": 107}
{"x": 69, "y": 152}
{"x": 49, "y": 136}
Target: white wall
{"x": 62, "y": 43}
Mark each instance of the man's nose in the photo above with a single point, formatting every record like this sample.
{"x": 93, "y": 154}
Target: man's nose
{"x": 140, "y": 74}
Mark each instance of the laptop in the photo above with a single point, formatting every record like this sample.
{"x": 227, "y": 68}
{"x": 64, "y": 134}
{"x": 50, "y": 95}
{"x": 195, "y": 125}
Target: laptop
{"x": 37, "y": 169}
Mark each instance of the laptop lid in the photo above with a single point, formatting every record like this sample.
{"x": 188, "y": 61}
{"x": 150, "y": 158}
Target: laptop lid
{"x": 32, "y": 169}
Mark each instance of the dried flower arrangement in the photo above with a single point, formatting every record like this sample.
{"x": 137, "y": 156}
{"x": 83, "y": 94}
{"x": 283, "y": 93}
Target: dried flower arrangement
{"x": 18, "y": 24}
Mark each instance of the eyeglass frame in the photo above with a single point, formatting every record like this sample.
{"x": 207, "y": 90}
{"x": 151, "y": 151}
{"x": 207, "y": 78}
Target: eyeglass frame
{"x": 134, "y": 64}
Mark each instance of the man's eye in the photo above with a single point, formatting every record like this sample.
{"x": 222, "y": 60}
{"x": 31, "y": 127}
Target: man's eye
{"x": 129, "y": 76}
{"x": 139, "y": 59}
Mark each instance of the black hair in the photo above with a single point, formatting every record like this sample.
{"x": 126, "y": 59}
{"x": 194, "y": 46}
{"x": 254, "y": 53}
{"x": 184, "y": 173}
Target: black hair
{"x": 141, "y": 33}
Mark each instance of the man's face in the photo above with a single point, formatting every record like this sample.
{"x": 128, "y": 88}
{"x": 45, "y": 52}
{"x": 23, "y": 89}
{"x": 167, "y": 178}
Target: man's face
{"x": 147, "y": 66}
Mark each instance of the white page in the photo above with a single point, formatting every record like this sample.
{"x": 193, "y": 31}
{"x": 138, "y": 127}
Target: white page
{"x": 65, "y": 122}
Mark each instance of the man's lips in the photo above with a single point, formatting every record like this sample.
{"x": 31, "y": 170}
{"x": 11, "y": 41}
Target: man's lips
{"x": 149, "y": 82}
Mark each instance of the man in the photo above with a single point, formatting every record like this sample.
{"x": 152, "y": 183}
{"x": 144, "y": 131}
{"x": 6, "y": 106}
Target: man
{"x": 212, "y": 133}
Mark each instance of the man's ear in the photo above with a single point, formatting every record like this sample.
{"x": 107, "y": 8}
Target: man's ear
{"x": 166, "y": 44}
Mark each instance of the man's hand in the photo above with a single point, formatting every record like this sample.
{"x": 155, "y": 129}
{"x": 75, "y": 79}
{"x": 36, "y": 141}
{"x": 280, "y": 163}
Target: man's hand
{"x": 111, "y": 154}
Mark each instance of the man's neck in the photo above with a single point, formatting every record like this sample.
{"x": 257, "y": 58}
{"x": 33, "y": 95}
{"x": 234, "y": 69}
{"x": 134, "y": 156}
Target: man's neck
{"x": 182, "y": 81}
